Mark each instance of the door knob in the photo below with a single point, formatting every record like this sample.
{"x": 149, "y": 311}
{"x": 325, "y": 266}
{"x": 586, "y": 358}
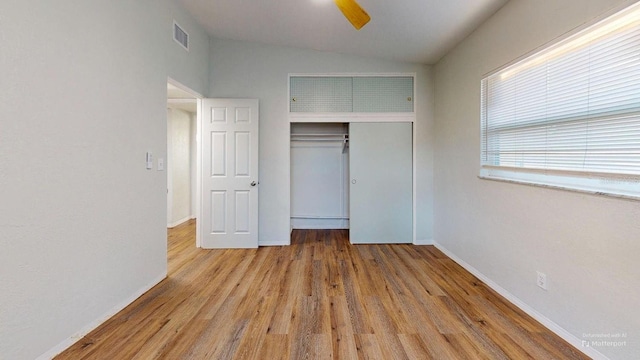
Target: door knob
{"x": 253, "y": 183}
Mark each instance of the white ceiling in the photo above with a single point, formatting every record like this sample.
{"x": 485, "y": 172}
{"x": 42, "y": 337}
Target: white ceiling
{"x": 417, "y": 31}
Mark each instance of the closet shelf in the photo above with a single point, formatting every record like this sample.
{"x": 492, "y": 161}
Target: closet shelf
{"x": 343, "y": 138}
{"x": 321, "y": 136}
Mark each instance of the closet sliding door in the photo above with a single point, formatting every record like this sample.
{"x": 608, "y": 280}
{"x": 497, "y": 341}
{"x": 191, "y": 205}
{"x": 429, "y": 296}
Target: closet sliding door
{"x": 381, "y": 183}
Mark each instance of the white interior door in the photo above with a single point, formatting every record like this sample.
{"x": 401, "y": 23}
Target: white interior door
{"x": 229, "y": 173}
{"x": 381, "y": 187}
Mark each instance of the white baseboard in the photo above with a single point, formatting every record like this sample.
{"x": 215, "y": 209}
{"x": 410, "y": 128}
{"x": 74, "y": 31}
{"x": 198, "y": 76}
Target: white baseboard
{"x": 319, "y": 224}
{"x": 548, "y": 323}
{"x": 275, "y": 243}
{"x": 176, "y": 223}
{"x": 93, "y": 325}
{"x": 423, "y": 242}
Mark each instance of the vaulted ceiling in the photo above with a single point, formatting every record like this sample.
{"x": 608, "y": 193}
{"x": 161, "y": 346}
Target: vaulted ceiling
{"x": 417, "y": 31}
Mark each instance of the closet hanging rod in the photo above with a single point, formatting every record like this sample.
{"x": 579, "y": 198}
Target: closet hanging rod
{"x": 319, "y": 140}
{"x": 320, "y": 137}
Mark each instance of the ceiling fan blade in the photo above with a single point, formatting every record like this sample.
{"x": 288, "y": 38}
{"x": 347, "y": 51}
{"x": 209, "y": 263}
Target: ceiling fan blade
{"x": 353, "y": 12}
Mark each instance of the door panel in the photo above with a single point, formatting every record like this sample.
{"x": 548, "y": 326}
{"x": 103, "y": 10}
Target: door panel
{"x": 219, "y": 115}
{"x": 218, "y": 212}
{"x": 218, "y": 153}
{"x": 381, "y": 187}
{"x": 243, "y": 209}
{"x": 230, "y": 173}
{"x": 243, "y": 153}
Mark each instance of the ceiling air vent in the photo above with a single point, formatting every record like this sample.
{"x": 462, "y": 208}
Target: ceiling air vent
{"x": 180, "y": 36}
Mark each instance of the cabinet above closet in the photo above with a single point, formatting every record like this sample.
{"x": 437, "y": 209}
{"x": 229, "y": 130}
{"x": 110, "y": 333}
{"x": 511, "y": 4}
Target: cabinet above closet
{"x": 351, "y": 94}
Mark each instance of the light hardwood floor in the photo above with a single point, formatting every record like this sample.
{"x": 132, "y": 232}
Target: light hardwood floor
{"x": 319, "y": 298}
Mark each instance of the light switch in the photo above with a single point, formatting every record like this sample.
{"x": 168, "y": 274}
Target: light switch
{"x": 160, "y": 164}
{"x": 149, "y": 160}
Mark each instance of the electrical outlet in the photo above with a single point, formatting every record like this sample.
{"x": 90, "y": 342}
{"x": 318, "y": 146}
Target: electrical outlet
{"x": 542, "y": 280}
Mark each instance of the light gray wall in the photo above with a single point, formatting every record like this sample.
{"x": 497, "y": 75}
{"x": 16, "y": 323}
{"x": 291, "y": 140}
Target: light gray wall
{"x": 82, "y": 223}
{"x": 179, "y": 165}
{"x": 249, "y": 70}
{"x": 587, "y": 245}
{"x": 194, "y": 166}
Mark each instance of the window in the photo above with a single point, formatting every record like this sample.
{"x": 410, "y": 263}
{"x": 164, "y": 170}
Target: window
{"x": 569, "y": 115}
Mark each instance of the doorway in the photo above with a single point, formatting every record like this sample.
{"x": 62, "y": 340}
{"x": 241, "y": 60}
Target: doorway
{"x": 182, "y": 154}
{"x": 319, "y": 176}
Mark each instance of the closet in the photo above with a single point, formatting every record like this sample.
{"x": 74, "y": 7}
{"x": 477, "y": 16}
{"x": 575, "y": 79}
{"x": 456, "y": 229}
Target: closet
{"x": 352, "y": 156}
{"x": 319, "y": 176}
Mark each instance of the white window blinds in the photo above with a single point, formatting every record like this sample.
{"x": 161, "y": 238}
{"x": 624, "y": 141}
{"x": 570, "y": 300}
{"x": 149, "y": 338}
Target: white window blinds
{"x": 572, "y": 107}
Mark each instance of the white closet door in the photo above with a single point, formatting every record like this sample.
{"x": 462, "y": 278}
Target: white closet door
{"x": 381, "y": 188}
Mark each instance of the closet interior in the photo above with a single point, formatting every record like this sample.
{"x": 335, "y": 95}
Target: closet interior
{"x": 320, "y": 176}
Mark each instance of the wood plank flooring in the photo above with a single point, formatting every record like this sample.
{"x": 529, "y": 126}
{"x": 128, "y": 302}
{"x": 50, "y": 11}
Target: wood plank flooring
{"x": 320, "y": 298}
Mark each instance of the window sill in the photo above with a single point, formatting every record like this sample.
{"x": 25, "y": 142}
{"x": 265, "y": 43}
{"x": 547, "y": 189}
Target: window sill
{"x": 485, "y": 174}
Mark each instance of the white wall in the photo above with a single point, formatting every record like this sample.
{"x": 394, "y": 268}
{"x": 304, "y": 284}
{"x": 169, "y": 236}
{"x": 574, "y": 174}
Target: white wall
{"x": 587, "y": 245}
{"x": 179, "y": 166}
{"x": 194, "y": 166}
{"x": 82, "y": 223}
{"x": 248, "y": 70}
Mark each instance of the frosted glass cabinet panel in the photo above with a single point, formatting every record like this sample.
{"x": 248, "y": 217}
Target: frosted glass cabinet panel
{"x": 382, "y": 94}
{"x": 359, "y": 94}
{"x": 321, "y": 94}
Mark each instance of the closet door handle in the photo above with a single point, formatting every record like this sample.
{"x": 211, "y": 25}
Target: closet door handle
{"x": 353, "y": 181}
{"x": 253, "y": 183}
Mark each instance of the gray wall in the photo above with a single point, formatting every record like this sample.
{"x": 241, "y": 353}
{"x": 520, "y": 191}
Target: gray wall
{"x": 82, "y": 223}
{"x": 180, "y": 165}
{"x": 587, "y": 245}
{"x": 242, "y": 69}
